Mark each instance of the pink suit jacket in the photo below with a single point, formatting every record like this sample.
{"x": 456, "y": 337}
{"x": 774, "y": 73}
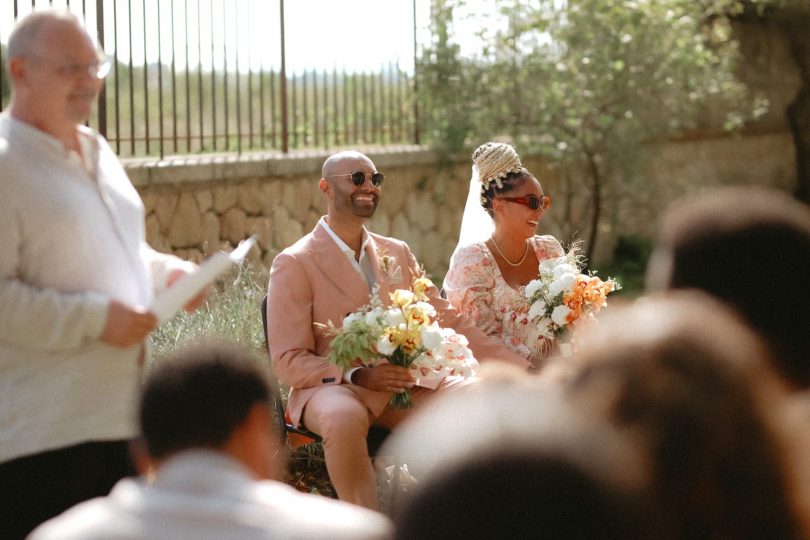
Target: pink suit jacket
{"x": 311, "y": 282}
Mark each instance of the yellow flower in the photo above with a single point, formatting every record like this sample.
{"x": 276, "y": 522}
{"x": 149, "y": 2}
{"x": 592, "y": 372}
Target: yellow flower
{"x": 420, "y": 288}
{"x": 418, "y": 314}
{"x": 402, "y": 298}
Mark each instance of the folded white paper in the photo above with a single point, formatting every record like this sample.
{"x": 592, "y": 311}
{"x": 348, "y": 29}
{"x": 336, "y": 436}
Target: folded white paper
{"x": 172, "y": 300}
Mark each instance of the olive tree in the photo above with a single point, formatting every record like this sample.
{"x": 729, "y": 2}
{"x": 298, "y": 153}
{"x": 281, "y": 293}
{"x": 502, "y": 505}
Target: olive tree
{"x": 594, "y": 85}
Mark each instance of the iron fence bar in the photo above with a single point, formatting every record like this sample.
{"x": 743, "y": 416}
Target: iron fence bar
{"x": 365, "y": 99}
{"x": 315, "y": 109}
{"x": 249, "y": 83}
{"x": 238, "y": 77}
{"x": 385, "y": 135}
{"x": 213, "y": 86}
{"x": 102, "y": 95}
{"x": 335, "y": 109}
{"x": 354, "y": 108}
{"x": 262, "y": 126}
{"x": 415, "y": 79}
{"x": 145, "y": 79}
{"x": 201, "y": 116}
{"x": 188, "y": 78}
{"x": 160, "y": 82}
{"x": 131, "y": 83}
{"x": 294, "y": 110}
{"x": 117, "y": 87}
{"x": 305, "y": 124}
{"x": 325, "y": 119}
{"x": 174, "y": 81}
{"x": 377, "y": 109}
{"x": 225, "y": 73}
{"x": 285, "y": 146}
{"x": 391, "y": 104}
{"x": 273, "y": 107}
{"x": 344, "y": 90}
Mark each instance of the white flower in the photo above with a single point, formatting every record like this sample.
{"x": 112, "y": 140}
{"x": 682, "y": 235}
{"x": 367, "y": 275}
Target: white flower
{"x": 532, "y": 287}
{"x": 393, "y": 317}
{"x": 431, "y": 336}
{"x": 547, "y": 266}
{"x": 537, "y": 310}
{"x": 468, "y": 368}
{"x": 563, "y": 283}
{"x": 426, "y": 307}
{"x": 373, "y": 316}
{"x": 350, "y": 318}
{"x": 563, "y": 268}
{"x": 384, "y": 345}
{"x": 559, "y": 315}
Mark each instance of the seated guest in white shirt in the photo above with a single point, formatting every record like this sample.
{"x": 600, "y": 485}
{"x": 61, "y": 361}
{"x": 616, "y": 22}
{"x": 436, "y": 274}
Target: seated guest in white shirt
{"x": 208, "y": 437}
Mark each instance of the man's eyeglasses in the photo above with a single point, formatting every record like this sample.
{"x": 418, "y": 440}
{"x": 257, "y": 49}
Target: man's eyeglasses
{"x": 359, "y": 177}
{"x": 532, "y": 201}
{"x": 97, "y": 70}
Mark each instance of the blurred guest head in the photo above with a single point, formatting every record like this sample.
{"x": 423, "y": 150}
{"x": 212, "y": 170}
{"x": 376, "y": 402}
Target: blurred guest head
{"x": 212, "y": 396}
{"x": 692, "y": 383}
{"x": 749, "y": 247}
{"x": 509, "y": 459}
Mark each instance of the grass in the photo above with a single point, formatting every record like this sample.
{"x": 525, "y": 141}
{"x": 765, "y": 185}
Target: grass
{"x": 231, "y": 313}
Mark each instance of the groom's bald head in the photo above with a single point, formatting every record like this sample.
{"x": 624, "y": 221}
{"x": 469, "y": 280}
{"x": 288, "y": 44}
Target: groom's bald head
{"x": 340, "y": 162}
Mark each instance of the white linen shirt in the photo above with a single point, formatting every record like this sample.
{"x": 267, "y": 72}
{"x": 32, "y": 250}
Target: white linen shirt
{"x": 206, "y": 495}
{"x": 363, "y": 265}
{"x": 71, "y": 238}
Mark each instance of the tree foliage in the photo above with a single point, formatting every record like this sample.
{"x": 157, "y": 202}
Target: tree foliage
{"x": 587, "y": 83}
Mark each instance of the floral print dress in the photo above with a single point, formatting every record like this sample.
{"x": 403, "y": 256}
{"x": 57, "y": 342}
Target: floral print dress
{"x": 476, "y": 288}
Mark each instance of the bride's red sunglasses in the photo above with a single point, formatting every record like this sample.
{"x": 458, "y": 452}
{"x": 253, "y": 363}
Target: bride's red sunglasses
{"x": 532, "y": 201}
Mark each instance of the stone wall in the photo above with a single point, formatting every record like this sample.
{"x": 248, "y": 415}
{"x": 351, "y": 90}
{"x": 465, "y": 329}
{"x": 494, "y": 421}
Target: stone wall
{"x": 198, "y": 205}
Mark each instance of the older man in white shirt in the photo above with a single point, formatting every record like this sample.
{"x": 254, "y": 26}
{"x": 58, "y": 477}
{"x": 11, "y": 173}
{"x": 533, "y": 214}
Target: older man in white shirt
{"x": 76, "y": 281}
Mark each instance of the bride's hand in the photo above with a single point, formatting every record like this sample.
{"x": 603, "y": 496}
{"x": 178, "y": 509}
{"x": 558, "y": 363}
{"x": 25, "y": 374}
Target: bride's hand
{"x": 384, "y": 378}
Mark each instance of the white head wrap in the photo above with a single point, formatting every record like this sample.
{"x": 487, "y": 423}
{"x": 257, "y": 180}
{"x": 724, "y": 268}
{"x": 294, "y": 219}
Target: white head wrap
{"x": 492, "y": 162}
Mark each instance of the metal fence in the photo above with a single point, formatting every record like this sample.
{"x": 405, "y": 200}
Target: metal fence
{"x": 192, "y": 76}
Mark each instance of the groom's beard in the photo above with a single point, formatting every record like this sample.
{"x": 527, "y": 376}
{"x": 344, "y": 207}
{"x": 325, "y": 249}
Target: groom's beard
{"x": 364, "y": 209}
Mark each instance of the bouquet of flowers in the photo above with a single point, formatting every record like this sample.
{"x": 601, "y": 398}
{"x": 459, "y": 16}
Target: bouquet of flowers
{"x": 563, "y": 296}
{"x": 405, "y": 334}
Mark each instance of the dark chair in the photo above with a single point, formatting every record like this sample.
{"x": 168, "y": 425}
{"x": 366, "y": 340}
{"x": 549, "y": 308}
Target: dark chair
{"x": 376, "y": 434}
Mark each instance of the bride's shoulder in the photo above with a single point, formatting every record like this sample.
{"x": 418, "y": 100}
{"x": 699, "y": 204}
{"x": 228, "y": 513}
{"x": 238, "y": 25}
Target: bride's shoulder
{"x": 470, "y": 255}
{"x": 475, "y": 251}
{"x": 548, "y": 245}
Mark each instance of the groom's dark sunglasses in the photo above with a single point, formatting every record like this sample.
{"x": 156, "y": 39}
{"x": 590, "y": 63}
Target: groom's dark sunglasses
{"x": 532, "y": 201}
{"x": 359, "y": 177}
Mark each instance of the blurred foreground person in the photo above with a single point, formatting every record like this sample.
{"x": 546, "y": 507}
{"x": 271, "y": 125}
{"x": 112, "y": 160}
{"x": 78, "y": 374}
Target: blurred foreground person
{"x": 692, "y": 384}
{"x": 210, "y": 442}
{"x": 510, "y": 459}
{"x": 749, "y": 247}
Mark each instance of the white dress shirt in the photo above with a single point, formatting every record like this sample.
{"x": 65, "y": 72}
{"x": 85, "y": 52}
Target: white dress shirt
{"x": 363, "y": 267}
{"x": 206, "y": 495}
{"x": 72, "y": 237}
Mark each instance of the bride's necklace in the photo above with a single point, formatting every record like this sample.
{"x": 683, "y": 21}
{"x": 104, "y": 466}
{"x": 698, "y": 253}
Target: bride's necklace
{"x": 510, "y": 263}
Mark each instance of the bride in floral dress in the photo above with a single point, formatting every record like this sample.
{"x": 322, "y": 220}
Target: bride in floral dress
{"x": 498, "y": 251}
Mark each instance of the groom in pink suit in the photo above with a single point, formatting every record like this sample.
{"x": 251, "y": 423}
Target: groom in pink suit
{"x": 326, "y": 275}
